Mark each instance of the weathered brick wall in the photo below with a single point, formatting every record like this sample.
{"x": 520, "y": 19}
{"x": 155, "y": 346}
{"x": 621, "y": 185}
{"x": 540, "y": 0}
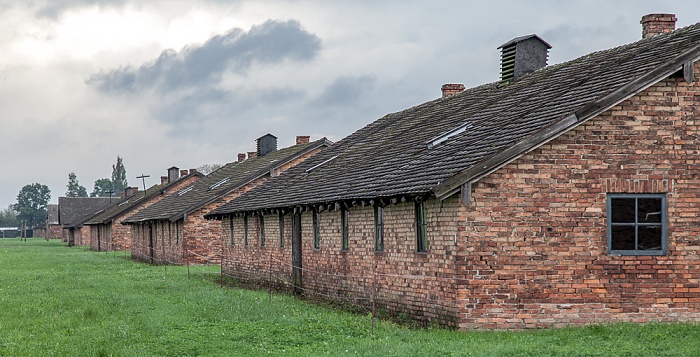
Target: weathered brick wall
{"x": 55, "y": 231}
{"x": 165, "y": 246}
{"x": 397, "y": 279}
{"x": 116, "y": 236}
{"x": 533, "y": 252}
{"x": 253, "y": 262}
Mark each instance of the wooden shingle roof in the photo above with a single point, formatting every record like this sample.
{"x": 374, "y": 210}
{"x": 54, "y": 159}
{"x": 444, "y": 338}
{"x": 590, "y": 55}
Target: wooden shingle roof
{"x": 220, "y": 182}
{"x": 413, "y": 152}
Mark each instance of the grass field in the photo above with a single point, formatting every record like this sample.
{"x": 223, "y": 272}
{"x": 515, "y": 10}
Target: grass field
{"x": 60, "y": 301}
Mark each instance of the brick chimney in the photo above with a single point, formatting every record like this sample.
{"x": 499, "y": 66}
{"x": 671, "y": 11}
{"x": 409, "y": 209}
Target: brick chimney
{"x": 173, "y": 174}
{"x": 134, "y": 190}
{"x": 128, "y": 191}
{"x": 193, "y": 171}
{"x": 241, "y": 157}
{"x": 163, "y": 179}
{"x": 183, "y": 173}
{"x": 523, "y": 55}
{"x": 303, "y": 139}
{"x": 451, "y": 88}
{"x": 656, "y": 24}
{"x": 252, "y": 154}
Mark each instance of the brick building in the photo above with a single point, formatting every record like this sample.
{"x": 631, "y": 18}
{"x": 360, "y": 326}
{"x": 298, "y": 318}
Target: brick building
{"x": 73, "y": 212}
{"x": 106, "y": 231}
{"x": 173, "y": 231}
{"x": 560, "y": 195}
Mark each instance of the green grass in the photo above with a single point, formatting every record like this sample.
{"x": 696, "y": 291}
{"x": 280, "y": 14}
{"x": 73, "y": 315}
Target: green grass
{"x": 62, "y": 301}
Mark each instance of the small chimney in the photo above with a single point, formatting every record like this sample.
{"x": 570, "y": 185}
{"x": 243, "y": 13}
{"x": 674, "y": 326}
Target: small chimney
{"x": 134, "y": 189}
{"x": 252, "y": 154}
{"x": 163, "y": 179}
{"x": 123, "y": 193}
{"x": 451, "y": 89}
{"x": 193, "y": 171}
{"x": 173, "y": 174}
{"x": 656, "y": 24}
{"x": 183, "y": 173}
{"x": 241, "y": 157}
{"x": 523, "y": 55}
{"x": 128, "y": 191}
{"x": 303, "y": 139}
{"x": 266, "y": 144}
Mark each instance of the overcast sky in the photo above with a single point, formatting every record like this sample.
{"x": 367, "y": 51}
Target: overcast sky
{"x": 186, "y": 83}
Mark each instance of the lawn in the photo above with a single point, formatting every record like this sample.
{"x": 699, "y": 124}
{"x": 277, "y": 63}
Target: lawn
{"x": 62, "y": 301}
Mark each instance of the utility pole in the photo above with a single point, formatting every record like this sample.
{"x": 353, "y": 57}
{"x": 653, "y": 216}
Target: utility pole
{"x": 111, "y": 192}
{"x": 143, "y": 178}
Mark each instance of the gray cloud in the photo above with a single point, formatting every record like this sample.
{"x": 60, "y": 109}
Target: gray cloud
{"x": 272, "y": 42}
{"x": 54, "y": 8}
{"x": 345, "y": 90}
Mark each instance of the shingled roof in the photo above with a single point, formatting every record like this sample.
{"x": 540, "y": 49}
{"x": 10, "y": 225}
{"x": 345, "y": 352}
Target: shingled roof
{"x": 220, "y": 182}
{"x": 126, "y": 204}
{"x": 435, "y": 148}
{"x": 73, "y": 211}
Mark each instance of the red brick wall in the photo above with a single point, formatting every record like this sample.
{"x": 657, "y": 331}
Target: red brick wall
{"x": 116, "y": 236}
{"x": 397, "y": 279}
{"x": 55, "y": 231}
{"x": 534, "y": 248}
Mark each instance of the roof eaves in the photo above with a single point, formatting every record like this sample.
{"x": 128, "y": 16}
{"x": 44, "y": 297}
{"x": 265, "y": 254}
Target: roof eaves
{"x": 452, "y": 185}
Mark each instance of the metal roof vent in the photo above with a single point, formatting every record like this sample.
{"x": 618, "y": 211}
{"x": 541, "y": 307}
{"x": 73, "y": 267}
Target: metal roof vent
{"x": 266, "y": 144}
{"x": 523, "y": 55}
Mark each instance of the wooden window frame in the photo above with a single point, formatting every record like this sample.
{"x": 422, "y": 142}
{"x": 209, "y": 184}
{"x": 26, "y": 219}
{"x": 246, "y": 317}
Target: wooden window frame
{"x": 421, "y": 222}
{"x": 344, "y": 229}
{"x": 378, "y": 228}
{"x": 636, "y": 224}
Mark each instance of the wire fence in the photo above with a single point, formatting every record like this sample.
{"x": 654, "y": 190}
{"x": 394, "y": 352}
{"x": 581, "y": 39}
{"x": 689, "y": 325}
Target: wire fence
{"x": 414, "y": 297}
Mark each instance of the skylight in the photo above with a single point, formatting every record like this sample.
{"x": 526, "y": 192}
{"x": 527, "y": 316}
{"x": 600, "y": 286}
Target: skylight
{"x": 440, "y": 139}
{"x": 321, "y": 164}
{"x": 185, "y": 190}
{"x": 219, "y": 183}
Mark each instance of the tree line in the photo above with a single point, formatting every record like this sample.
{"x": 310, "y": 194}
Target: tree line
{"x": 33, "y": 199}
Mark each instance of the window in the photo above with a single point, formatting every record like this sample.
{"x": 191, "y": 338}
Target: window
{"x": 378, "y": 228}
{"x": 344, "y": 218}
{"x": 245, "y": 230}
{"x": 636, "y": 224}
{"x": 281, "y": 230}
{"x": 317, "y": 233}
{"x": 421, "y": 227}
{"x": 261, "y": 221}
{"x": 230, "y": 228}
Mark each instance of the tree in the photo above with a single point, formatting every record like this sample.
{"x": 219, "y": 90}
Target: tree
{"x": 206, "y": 169}
{"x": 74, "y": 188}
{"x": 102, "y": 188}
{"x": 31, "y": 204}
{"x": 8, "y": 217}
{"x": 119, "y": 181}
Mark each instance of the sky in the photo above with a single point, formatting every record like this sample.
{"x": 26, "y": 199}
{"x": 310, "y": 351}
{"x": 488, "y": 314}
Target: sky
{"x": 166, "y": 83}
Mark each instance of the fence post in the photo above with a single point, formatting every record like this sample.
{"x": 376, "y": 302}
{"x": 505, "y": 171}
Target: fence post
{"x": 188, "y": 269}
{"x": 374, "y": 293}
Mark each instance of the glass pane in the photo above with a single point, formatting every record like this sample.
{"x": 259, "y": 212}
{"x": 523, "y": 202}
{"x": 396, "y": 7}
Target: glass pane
{"x": 649, "y": 238}
{"x": 622, "y": 210}
{"x": 649, "y": 210}
{"x": 622, "y": 237}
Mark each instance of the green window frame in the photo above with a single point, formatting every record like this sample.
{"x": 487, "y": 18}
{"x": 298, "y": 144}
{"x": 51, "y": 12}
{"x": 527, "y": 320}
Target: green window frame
{"x": 378, "y": 228}
{"x": 281, "y": 230}
{"x": 261, "y": 224}
{"x": 636, "y": 224}
{"x": 421, "y": 227}
{"x": 245, "y": 231}
{"x": 317, "y": 230}
{"x": 345, "y": 233}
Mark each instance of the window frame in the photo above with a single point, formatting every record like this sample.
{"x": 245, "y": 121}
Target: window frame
{"x": 344, "y": 229}
{"x": 261, "y": 225}
{"x": 230, "y": 229}
{"x": 281, "y": 223}
{"x": 245, "y": 230}
{"x": 421, "y": 226}
{"x": 317, "y": 231}
{"x": 663, "y": 224}
{"x": 378, "y": 228}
